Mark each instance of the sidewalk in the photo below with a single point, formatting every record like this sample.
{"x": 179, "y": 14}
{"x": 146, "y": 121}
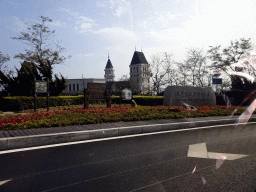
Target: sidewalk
{"x": 14, "y": 139}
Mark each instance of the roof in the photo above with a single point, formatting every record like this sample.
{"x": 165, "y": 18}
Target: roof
{"x": 138, "y": 58}
{"x": 109, "y": 64}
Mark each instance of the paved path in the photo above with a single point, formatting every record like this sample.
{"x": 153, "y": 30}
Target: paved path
{"x": 13, "y": 139}
{"x": 148, "y": 163}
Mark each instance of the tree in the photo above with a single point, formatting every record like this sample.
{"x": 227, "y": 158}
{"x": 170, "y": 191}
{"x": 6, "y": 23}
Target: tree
{"x": 183, "y": 76}
{"x": 161, "y": 67}
{"x": 3, "y": 59}
{"x": 194, "y": 68}
{"x": 222, "y": 59}
{"x": 171, "y": 70}
{"x": 43, "y": 53}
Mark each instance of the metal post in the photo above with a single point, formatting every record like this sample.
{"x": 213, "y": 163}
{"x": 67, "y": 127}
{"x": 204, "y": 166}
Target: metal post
{"x": 84, "y": 98}
{"x": 34, "y": 94}
{"x": 47, "y": 94}
{"x": 120, "y": 95}
{"x": 108, "y": 98}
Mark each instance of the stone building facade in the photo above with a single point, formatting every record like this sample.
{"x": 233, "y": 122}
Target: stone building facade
{"x": 139, "y": 76}
{"x": 140, "y": 72}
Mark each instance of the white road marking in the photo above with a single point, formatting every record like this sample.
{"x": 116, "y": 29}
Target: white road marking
{"x": 200, "y": 151}
{"x": 111, "y": 138}
{"x": 3, "y": 182}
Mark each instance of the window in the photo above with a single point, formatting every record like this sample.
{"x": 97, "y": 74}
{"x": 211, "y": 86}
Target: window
{"x": 137, "y": 69}
{"x": 137, "y": 80}
{"x": 77, "y": 87}
{"x": 74, "y": 87}
{"x": 131, "y": 70}
{"x": 69, "y": 87}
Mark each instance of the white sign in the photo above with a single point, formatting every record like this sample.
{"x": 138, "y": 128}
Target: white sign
{"x": 200, "y": 151}
{"x": 126, "y": 94}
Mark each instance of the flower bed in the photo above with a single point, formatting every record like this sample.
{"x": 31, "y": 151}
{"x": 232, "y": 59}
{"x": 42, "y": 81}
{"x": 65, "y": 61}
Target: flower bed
{"x": 79, "y": 116}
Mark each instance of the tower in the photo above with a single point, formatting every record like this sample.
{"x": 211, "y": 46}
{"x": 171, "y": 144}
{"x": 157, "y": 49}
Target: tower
{"x": 109, "y": 71}
{"x": 139, "y": 72}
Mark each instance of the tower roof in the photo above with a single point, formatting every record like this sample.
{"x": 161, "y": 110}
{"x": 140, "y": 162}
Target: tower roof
{"x": 138, "y": 57}
{"x": 109, "y": 64}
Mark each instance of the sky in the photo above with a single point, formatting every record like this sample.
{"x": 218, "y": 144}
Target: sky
{"x": 90, "y": 30}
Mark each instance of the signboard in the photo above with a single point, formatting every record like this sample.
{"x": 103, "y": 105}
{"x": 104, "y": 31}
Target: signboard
{"x": 217, "y": 81}
{"x": 41, "y": 86}
{"x": 126, "y": 94}
{"x": 177, "y": 95}
{"x": 97, "y": 91}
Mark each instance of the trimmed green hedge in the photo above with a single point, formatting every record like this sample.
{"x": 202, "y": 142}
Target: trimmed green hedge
{"x": 19, "y": 103}
{"x": 141, "y": 100}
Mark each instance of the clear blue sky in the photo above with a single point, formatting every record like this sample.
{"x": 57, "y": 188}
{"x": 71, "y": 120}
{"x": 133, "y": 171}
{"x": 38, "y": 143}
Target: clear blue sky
{"x": 89, "y": 30}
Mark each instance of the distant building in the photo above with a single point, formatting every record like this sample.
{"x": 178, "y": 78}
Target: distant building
{"x": 139, "y": 76}
{"x": 109, "y": 71}
{"x": 76, "y": 86}
{"x": 139, "y": 72}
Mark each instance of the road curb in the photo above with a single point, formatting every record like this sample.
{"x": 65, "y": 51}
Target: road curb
{"x": 47, "y": 139}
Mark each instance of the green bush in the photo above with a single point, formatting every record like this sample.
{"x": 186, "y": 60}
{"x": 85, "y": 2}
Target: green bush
{"x": 141, "y": 100}
{"x": 19, "y": 103}
{"x": 131, "y": 114}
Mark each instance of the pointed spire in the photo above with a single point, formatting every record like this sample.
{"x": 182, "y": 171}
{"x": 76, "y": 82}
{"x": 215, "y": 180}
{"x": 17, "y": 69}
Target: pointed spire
{"x": 109, "y": 64}
{"x": 138, "y": 58}
{"x": 135, "y": 47}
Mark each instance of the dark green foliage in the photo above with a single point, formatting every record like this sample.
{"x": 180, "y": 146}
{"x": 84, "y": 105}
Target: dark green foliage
{"x": 161, "y": 93}
{"x": 222, "y": 59}
{"x": 22, "y": 103}
{"x": 37, "y": 62}
{"x": 232, "y": 54}
{"x": 141, "y": 100}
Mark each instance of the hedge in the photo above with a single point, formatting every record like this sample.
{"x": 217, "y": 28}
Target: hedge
{"x": 21, "y": 103}
{"x": 141, "y": 100}
{"x": 18, "y": 103}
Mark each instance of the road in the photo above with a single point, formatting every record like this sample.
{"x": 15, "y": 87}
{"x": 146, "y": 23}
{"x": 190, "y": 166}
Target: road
{"x": 156, "y": 162}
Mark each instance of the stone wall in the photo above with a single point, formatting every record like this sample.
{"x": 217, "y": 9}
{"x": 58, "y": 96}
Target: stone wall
{"x": 177, "y": 95}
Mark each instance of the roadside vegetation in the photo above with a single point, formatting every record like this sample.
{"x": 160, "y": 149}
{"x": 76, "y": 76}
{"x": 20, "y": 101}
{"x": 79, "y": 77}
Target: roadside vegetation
{"x": 76, "y": 115}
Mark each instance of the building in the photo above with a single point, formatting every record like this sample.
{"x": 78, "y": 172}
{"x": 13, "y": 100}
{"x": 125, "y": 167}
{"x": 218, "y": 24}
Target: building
{"x": 77, "y": 86}
{"x": 109, "y": 71}
{"x": 139, "y": 76}
{"x": 140, "y": 72}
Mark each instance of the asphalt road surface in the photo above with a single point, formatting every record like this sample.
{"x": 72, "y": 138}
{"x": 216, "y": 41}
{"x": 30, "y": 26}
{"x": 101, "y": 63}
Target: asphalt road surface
{"x": 157, "y": 162}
